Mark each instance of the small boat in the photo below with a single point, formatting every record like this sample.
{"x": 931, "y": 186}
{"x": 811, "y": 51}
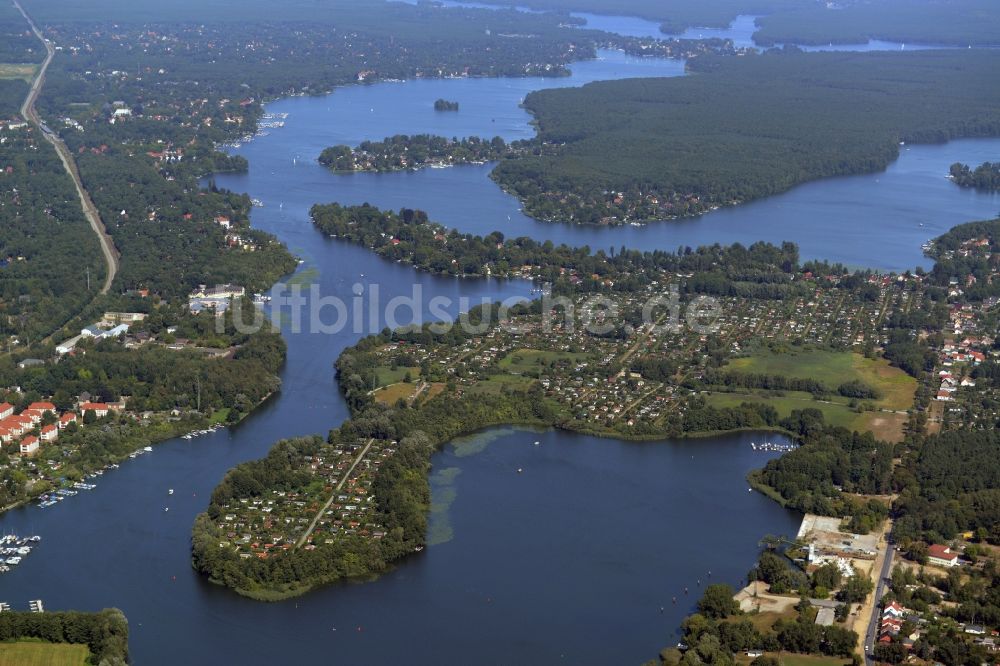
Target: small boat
{"x": 147, "y": 449}
{"x": 170, "y": 491}
{"x": 519, "y": 470}
{"x": 166, "y": 508}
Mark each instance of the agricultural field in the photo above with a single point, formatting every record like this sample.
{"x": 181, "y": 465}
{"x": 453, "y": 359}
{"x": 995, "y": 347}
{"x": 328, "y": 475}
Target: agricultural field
{"x": 36, "y": 653}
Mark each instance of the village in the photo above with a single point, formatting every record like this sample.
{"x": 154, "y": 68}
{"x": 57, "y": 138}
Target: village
{"x": 337, "y": 503}
{"x": 633, "y": 382}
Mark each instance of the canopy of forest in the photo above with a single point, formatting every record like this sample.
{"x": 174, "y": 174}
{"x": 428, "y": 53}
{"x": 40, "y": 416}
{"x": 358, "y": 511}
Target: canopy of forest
{"x": 744, "y": 128}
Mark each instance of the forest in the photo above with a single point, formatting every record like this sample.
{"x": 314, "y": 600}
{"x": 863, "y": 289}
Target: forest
{"x": 954, "y": 23}
{"x": 105, "y": 632}
{"x": 12, "y": 93}
{"x": 50, "y": 260}
{"x": 761, "y": 270}
{"x": 986, "y": 176}
{"x": 742, "y": 128}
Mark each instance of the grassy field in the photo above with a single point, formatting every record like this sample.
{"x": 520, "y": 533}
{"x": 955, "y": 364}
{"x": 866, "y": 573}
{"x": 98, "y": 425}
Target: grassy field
{"x": 885, "y": 425}
{"x": 524, "y": 360}
{"x": 386, "y": 376}
{"x": 833, "y": 369}
{"x": 34, "y": 653}
{"x": 390, "y": 394}
{"x": 25, "y": 72}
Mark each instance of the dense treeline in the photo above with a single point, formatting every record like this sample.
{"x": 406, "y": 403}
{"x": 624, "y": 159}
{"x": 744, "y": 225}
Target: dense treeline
{"x": 47, "y": 249}
{"x": 955, "y": 22}
{"x": 986, "y": 176}
{"x": 761, "y": 270}
{"x": 830, "y": 460}
{"x": 12, "y": 93}
{"x": 746, "y": 380}
{"x": 168, "y": 239}
{"x": 105, "y": 633}
{"x": 743, "y": 128}
{"x": 949, "y": 485}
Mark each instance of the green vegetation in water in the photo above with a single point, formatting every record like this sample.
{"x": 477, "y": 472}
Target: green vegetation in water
{"x": 439, "y": 529}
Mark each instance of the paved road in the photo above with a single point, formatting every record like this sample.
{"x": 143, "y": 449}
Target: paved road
{"x": 872, "y": 635}
{"x": 31, "y": 115}
{"x": 343, "y": 480}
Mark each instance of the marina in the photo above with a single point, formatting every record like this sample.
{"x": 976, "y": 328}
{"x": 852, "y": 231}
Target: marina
{"x": 13, "y": 549}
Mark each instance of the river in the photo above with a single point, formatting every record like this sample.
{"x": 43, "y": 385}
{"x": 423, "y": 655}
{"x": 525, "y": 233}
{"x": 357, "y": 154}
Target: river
{"x": 574, "y": 558}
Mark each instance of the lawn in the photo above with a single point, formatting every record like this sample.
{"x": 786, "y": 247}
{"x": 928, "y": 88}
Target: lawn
{"x": 35, "y": 653}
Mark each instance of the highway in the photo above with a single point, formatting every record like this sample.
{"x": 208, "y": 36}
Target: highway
{"x": 30, "y": 114}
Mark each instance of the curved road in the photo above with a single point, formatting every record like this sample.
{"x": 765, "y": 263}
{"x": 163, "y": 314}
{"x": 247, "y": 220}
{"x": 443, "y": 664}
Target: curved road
{"x": 31, "y": 115}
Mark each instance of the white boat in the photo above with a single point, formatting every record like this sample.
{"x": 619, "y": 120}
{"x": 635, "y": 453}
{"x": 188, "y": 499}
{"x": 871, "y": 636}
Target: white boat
{"x": 170, "y": 491}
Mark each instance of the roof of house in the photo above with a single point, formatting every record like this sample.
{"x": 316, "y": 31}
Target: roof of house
{"x": 43, "y": 406}
{"x": 941, "y": 552}
{"x": 96, "y": 406}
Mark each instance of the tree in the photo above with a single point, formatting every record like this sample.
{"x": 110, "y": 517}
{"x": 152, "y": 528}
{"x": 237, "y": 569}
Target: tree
{"x": 718, "y": 601}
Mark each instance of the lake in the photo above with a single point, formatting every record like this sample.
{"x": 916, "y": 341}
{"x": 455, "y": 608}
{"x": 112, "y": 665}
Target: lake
{"x": 875, "y": 220}
{"x": 571, "y": 560}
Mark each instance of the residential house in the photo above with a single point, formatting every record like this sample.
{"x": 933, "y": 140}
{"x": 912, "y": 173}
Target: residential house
{"x": 29, "y": 445}
{"x": 942, "y": 556}
{"x": 99, "y": 409}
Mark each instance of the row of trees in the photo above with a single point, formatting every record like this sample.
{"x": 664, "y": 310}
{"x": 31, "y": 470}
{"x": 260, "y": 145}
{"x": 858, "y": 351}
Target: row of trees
{"x": 105, "y": 632}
